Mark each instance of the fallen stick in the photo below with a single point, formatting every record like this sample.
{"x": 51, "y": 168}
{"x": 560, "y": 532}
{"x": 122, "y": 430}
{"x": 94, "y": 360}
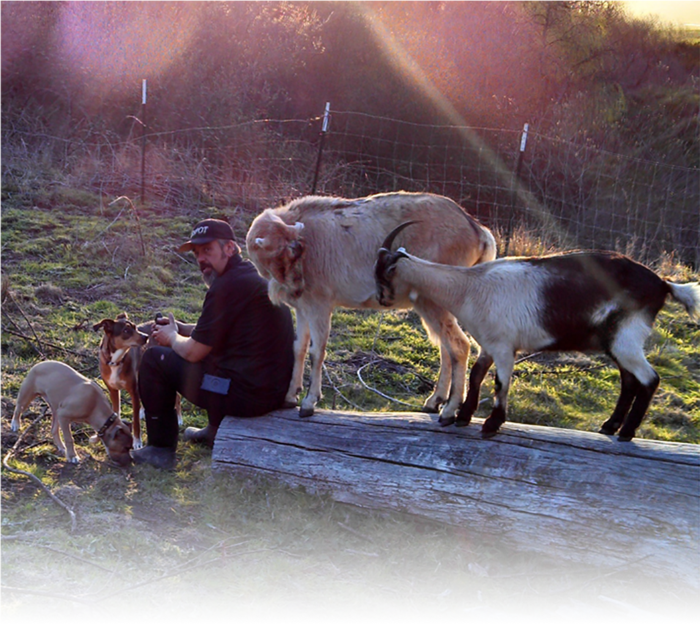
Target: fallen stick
{"x": 11, "y": 453}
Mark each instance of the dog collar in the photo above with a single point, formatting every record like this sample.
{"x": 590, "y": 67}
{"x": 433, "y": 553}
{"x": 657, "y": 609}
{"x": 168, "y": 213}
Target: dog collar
{"x": 107, "y": 425}
{"x": 120, "y": 355}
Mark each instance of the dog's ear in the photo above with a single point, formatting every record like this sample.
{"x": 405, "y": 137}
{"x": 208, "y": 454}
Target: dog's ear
{"x": 146, "y": 328}
{"x": 123, "y": 315}
{"x": 124, "y": 437}
{"x": 107, "y": 324}
{"x": 120, "y": 434}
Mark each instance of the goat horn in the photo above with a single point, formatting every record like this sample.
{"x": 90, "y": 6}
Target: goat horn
{"x": 259, "y": 241}
{"x": 389, "y": 240}
{"x": 299, "y": 226}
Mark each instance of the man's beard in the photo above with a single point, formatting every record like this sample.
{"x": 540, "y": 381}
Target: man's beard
{"x": 210, "y": 276}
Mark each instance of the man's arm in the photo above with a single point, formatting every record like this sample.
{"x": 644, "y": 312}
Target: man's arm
{"x": 185, "y": 329}
{"x": 185, "y": 346}
{"x": 189, "y": 349}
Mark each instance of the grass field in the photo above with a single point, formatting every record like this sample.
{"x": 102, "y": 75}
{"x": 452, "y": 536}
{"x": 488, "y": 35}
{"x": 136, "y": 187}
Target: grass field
{"x": 195, "y": 544}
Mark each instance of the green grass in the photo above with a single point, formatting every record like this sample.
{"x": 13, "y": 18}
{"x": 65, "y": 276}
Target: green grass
{"x": 267, "y": 548}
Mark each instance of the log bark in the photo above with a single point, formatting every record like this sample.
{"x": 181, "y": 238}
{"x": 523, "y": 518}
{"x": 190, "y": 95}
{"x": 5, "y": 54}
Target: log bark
{"x": 578, "y": 496}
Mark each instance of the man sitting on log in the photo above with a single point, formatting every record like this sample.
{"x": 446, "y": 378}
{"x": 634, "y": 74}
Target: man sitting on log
{"x": 236, "y": 360}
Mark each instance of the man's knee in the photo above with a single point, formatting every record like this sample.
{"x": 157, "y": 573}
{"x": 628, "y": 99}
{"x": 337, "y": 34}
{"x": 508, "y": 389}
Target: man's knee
{"x": 157, "y": 365}
{"x": 154, "y": 357}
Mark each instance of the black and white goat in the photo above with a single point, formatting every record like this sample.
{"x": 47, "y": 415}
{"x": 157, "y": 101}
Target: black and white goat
{"x": 578, "y": 301}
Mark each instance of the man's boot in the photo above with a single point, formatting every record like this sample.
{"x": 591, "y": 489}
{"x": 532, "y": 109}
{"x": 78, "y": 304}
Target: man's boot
{"x": 158, "y": 456}
{"x": 204, "y": 436}
{"x": 162, "y": 441}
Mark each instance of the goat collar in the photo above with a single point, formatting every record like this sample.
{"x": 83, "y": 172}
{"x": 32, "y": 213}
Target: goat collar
{"x": 108, "y": 423}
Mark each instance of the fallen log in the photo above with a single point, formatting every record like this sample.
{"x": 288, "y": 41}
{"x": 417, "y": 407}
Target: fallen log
{"x": 579, "y": 496}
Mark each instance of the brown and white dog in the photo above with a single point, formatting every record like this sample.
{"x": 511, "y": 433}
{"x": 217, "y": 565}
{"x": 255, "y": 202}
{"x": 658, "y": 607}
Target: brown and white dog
{"x": 74, "y": 398}
{"x": 120, "y": 356}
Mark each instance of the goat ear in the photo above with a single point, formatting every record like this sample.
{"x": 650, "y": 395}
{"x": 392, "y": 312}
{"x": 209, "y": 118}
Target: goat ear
{"x": 278, "y": 269}
{"x": 390, "y": 268}
{"x": 107, "y": 324}
{"x": 287, "y": 267}
{"x": 296, "y": 250}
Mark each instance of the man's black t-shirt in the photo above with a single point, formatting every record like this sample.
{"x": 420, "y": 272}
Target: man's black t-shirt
{"x": 251, "y": 338}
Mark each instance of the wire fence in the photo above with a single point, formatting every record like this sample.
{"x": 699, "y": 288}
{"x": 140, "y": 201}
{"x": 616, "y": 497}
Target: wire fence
{"x": 568, "y": 195}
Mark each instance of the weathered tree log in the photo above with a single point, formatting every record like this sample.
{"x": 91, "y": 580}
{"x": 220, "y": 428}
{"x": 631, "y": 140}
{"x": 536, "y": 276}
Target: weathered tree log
{"x": 578, "y": 496}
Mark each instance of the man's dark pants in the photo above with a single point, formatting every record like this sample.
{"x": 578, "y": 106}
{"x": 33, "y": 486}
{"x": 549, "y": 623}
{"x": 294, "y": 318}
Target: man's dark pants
{"x": 163, "y": 374}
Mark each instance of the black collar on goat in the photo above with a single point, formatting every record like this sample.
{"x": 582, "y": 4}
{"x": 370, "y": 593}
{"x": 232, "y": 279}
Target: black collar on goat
{"x": 385, "y": 266}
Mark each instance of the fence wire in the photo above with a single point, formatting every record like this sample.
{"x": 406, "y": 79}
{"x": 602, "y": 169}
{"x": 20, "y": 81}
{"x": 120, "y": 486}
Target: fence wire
{"x": 566, "y": 194}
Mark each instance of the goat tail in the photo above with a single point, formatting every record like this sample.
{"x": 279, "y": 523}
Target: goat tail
{"x": 689, "y": 296}
{"x": 488, "y": 246}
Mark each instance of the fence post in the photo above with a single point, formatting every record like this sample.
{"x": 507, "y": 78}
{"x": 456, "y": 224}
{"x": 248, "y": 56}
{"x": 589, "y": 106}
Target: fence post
{"x": 514, "y": 189}
{"x": 143, "y": 141}
{"x": 321, "y": 140}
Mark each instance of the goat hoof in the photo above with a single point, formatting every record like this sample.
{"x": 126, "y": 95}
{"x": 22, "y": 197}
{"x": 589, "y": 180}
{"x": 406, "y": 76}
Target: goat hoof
{"x": 462, "y": 422}
{"x": 289, "y": 404}
{"x": 429, "y": 409}
{"x": 305, "y": 412}
{"x": 607, "y": 429}
{"x": 625, "y": 438}
{"x": 489, "y": 429}
{"x": 446, "y": 421}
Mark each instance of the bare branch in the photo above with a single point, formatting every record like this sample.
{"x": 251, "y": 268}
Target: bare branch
{"x": 11, "y": 454}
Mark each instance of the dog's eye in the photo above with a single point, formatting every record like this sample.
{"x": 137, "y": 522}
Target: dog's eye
{"x": 127, "y": 332}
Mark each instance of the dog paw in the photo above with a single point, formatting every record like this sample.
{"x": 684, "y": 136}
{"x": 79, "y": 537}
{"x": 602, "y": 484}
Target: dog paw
{"x": 93, "y": 439}
{"x": 14, "y": 426}
{"x": 73, "y": 460}
{"x": 137, "y": 443}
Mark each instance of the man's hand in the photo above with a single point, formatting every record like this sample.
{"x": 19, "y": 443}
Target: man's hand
{"x": 165, "y": 332}
{"x": 176, "y": 335}
{"x": 184, "y": 329}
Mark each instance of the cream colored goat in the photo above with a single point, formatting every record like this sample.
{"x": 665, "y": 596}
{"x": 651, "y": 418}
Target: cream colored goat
{"x": 319, "y": 254}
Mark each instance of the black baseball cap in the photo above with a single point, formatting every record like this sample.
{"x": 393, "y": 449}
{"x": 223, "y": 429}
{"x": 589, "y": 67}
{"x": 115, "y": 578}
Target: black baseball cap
{"x": 207, "y": 231}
